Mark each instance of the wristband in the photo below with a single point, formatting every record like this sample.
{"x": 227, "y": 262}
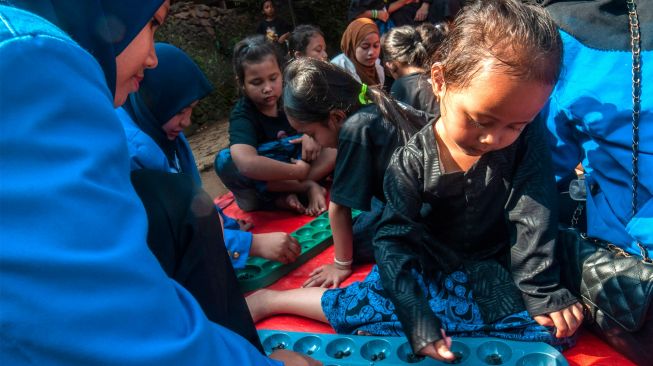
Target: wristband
{"x": 375, "y": 14}
{"x": 342, "y": 264}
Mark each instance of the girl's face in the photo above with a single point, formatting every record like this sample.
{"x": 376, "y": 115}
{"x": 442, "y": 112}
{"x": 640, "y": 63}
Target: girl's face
{"x": 137, "y": 56}
{"x": 326, "y": 134}
{"x": 478, "y": 119}
{"x": 178, "y": 122}
{"x": 262, "y": 83}
{"x": 369, "y": 49}
{"x": 317, "y": 48}
{"x": 268, "y": 9}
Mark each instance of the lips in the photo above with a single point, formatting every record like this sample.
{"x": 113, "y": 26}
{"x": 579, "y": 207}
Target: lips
{"x": 137, "y": 81}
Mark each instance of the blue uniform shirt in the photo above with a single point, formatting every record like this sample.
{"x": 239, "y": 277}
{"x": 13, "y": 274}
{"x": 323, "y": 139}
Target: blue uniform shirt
{"x": 589, "y": 117}
{"x": 144, "y": 153}
{"x": 79, "y": 285}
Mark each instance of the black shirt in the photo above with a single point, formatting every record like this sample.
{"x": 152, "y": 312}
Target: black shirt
{"x": 247, "y": 125}
{"x": 416, "y": 91}
{"x": 502, "y": 208}
{"x": 273, "y": 29}
{"x": 366, "y": 142}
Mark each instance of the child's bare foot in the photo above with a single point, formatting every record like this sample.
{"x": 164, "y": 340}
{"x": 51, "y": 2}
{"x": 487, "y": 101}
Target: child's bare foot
{"x": 258, "y": 304}
{"x": 316, "y": 200}
{"x": 290, "y": 202}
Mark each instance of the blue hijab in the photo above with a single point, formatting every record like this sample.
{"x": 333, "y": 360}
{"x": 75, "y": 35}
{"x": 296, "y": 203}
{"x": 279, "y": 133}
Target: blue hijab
{"x": 166, "y": 90}
{"x": 103, "y": 27}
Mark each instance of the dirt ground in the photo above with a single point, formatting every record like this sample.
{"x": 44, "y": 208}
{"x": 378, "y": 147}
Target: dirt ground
{"x": 205, "y": 143}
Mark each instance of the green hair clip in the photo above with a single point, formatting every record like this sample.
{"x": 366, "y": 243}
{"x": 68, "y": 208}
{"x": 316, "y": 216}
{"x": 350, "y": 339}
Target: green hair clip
{"x": 362, "y": 97}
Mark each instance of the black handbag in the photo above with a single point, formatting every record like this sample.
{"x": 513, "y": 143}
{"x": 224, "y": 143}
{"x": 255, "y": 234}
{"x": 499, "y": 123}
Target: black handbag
{"x": 611, "y": 282}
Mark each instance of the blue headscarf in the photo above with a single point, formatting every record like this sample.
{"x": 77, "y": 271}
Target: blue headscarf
{"x": 103, "y": 27}
{"x": 166, "y": 90}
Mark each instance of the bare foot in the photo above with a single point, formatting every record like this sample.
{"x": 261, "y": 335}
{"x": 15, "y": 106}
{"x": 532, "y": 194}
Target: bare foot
{"x": 258, "y": 304}
{"x": 316, "y": 200}
{"x": 290, "y": 202}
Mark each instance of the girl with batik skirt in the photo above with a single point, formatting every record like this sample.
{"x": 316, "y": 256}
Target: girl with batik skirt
{"x": 466, "y": 243}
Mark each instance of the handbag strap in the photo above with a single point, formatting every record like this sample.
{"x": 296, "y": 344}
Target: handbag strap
{"x": 635, "y": 44}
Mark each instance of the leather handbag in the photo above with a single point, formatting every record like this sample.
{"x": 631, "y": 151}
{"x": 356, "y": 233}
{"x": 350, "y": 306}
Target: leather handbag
{"x": 608, "y": 279}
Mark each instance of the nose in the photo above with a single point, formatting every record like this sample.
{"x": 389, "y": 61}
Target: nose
{"x": 490, "y": 139}
{"x": 185, "y": 122}
{"x": 324, "y": 55}
{"x": 267, "y": 88}
{"x": 151, "y": 61}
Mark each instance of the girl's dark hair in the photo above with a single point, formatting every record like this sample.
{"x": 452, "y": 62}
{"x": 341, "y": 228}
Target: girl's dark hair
{"x": 301, "y": 37}
{"x": 313, "y": 88}
{"x": 521, "y": 40}
{"x": 253, "y": 50}
{"x": 413, "y": 45}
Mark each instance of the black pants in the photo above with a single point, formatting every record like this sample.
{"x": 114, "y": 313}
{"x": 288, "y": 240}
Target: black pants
{"x": 184, "y": 234}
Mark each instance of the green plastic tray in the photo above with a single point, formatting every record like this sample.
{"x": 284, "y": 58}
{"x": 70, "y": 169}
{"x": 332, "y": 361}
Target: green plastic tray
{"x": 313, "y": 238}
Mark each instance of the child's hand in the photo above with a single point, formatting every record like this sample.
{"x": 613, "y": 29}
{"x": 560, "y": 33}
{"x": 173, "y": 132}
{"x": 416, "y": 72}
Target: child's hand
{"x": 566, "y": 321}
{"x": 327, "y": 275}
{"x": 439, "y": 350}
{"x": 279, "y": 247}
{"x": 310, "y": 148}
{"x": 422, "y": 12}
{"x": 291, "y": 358}
{"x": 302, "y": 169}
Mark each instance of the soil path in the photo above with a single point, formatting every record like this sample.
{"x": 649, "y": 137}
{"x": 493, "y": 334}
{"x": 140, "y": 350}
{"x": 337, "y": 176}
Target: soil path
{"x": 205, "y": 143}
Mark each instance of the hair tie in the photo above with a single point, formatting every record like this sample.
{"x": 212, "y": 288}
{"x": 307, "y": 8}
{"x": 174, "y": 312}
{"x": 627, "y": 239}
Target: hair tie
{"x": 362, "y": 97}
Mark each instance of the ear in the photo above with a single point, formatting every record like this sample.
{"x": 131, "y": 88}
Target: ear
{"x": 437, "y": 79}
{"x": 297, "y": 54}
{"x": 336, "y": 118}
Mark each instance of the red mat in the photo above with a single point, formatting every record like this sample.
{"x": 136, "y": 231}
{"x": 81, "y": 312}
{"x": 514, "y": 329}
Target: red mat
{"x": 590, "y": 351}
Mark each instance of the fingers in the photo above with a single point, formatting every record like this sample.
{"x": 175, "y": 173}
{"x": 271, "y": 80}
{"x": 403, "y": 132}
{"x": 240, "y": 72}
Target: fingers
{"x": 543, "y": 320}
{"x": 296, "y": 141}
{"x": 560, "y": 324}
{"x": 444, "y": 351}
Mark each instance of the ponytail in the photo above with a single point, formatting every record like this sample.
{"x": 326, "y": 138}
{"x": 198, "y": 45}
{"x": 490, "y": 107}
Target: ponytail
{"x": 313, "y": 88}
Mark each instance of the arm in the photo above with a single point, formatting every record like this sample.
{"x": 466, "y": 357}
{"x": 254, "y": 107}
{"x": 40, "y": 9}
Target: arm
{"x": 397, "y": 236}
{"x": 341, "y": 227}
{"x": 396, "y": 5}
{"x": 238, "y": 244}
{"x": 254, "y": 166}
{"x": 423, "y": 11}
{"x": 532, "y": 214}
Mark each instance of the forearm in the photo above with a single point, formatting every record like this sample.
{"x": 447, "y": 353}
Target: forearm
{"x": 341, "y": 227}
{"x": 263, "y": 168}
{"x": 396, "y": 5}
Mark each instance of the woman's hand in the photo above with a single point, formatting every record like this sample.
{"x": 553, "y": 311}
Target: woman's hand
{"x": 310, "y": 148}
{"x": 439, "y": 350}
{"x": 565, "y": 321}
{"x": 327, "y": 275}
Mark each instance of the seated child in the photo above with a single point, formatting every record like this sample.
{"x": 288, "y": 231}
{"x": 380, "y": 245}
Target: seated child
{"x": 327, "y": 103}
{"x": 262, "y": 166}
{"x": 307, "y": 40}
{"x": 154, "y": 119}
{"x": 406, "y": 51}
{"x": 467, "y": 240}
{"x": 272, "y": 27}
{"x": 361, "y": 47}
